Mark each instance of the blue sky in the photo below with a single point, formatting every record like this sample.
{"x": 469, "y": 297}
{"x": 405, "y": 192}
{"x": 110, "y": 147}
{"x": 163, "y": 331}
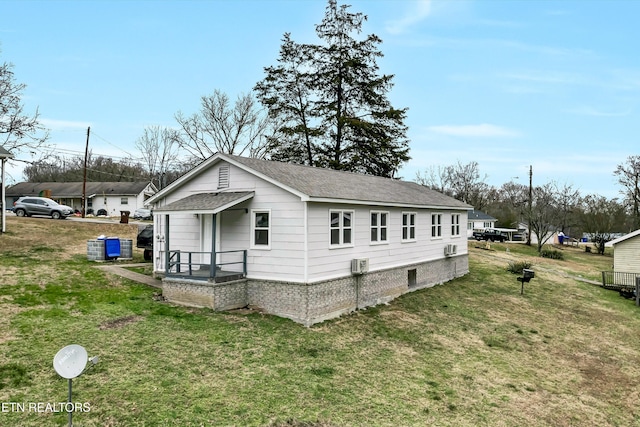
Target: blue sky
{"x": 506, "y": 83}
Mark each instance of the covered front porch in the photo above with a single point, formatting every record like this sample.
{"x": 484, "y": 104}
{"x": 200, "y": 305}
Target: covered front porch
{"x": 192, "y": 231}
{"x": 206, "y": 265}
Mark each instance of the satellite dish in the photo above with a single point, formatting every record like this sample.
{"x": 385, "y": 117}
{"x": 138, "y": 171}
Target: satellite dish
{"x": 70, "y": 361}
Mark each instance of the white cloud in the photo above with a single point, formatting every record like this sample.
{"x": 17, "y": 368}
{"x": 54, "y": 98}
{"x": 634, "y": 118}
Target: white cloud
{"x": 421, "y": 10}
{"x": 483, "y": 130}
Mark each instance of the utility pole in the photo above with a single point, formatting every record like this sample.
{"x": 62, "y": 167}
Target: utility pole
{"x": 530, "y": 205}
{"x": 84, "y": 180}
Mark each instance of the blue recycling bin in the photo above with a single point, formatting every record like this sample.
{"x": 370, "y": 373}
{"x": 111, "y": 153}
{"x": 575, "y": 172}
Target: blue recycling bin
{"x": 111, "y": 247}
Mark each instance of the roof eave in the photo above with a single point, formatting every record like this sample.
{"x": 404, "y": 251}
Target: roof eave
{"x": 207, "y": 211}
{"x": 388, "y": 204}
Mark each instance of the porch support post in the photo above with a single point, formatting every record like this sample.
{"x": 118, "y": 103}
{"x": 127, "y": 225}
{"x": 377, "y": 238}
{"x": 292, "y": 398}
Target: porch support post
{"x": 213, "y": 245}
{"x": 166, "y": 244}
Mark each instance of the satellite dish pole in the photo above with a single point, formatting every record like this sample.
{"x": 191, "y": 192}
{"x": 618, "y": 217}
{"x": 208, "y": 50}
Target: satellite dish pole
{"x": 69, "y": 362}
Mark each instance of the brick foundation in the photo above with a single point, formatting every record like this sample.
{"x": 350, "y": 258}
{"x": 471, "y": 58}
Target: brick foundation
{"x": 310, "y": 303}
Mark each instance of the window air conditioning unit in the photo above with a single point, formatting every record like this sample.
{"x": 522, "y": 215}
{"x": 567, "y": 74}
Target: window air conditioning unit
{"x": 450, "y": 250}
{"x": 359, "y": 265}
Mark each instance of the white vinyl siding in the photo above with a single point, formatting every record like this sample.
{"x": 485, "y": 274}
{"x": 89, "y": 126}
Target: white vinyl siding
{"x": 326, "y": 262}
{"x": 379, "y": 222}
{"x": 626, "y": 256}
{"x": 285, "y": 258}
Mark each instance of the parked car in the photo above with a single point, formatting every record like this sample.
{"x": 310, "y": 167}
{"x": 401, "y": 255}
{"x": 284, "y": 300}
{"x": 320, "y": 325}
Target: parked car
{"x": 144, "y": 240}
{"x": 490, "y": 234}
{"x": 29, "y": 206}
{"x": 142, "y": 214}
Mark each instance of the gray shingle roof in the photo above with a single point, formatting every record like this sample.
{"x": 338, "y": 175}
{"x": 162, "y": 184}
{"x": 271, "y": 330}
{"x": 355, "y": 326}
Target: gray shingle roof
{"x": 319, "y": 183}
{"x": 214, "y": 202}
{"x": 74, "y": 189}
{"x": 480, "y": 216}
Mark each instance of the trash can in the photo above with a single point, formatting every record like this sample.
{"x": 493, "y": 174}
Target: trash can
{"x": 111, "y": 247}
{"x": 124, "y": 217}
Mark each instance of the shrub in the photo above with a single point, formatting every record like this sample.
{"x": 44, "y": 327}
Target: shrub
{"x": 517, "y": 267}
{"x": 552, "y": 254}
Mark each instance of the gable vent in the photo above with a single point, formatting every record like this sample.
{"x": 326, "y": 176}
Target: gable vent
{"x": 223, "y": 176}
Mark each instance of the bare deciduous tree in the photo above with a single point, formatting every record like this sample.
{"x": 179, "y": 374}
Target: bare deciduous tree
{"x": 18, "y": 130}
{"x": 629, "y": 177}
{"x": 219, "y": 127}
{"x": 461, "y": 181}
{"x": 601, "y": 218}
{"x": 543, "y": 217}
{"x": 159, "y": 149}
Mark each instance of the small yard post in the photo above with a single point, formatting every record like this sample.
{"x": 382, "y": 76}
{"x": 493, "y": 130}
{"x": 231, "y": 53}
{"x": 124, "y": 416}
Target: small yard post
{"x": 637, "y": 290}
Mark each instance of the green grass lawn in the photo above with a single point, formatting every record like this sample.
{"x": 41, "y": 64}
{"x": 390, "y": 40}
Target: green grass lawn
{"x": 472, "y": 352}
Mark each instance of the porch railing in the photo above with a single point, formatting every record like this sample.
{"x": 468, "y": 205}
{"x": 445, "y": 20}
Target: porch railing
{"x": 191, "y": 264}
{"x": 619, "y": 280}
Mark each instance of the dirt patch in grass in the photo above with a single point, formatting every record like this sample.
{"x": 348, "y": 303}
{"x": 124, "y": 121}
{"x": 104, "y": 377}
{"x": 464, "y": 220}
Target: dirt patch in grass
{"x": 119, "y": 322}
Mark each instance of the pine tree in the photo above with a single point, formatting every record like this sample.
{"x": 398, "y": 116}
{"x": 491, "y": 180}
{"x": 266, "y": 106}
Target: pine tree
{"x": 332, "y": 101}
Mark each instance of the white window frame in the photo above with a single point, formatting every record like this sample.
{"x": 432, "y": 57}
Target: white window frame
{"x": 378, "y": 227}
{"x": 436, "y": 228}
{"x": 124, "y": 200}
{"x": 341, "y": 228}
{"x": 254, "y": 227}
{"x": 455, "y": 225}
{"x": 408, "y": 227}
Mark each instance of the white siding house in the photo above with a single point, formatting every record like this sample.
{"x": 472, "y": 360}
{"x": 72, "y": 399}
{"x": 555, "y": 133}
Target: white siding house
{"x": 113, "y": 197}
{"x": 478, "y": 221}
{"x": 626, "y": 253}
{"x": 236, "y": 231}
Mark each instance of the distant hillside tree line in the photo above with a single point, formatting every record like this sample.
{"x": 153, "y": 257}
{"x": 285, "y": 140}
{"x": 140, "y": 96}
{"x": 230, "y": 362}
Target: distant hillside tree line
{"x": 99, "y": 168}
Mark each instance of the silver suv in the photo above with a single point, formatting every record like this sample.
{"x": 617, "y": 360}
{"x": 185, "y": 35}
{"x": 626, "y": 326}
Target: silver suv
{"x": 28, "y": 206}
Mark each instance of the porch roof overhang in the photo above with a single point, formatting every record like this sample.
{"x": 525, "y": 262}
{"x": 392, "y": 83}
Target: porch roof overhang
{"x": 205, "y": 203}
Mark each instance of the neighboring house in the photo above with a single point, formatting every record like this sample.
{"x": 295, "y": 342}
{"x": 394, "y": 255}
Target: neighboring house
{"x": 549, "y": 238}
{"x": 301, "y": 242}
{"x": 113, "y": 197}
{"x": 626, "y": 262}
{"x": 478, "y": 220}
{"x": 626, "y": 253}
{"x": 4, "y": 156}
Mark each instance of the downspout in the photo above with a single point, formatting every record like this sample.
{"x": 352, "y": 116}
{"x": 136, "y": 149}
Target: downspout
{"x": 305, "y": 261}
{"x": 213, "y": 245}
{"x": 4, "y": 198}
{"x": 166, "y": 244}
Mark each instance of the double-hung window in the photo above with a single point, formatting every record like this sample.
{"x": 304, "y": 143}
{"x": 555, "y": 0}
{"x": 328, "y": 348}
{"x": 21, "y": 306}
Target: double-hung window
{"x": 455, "y": 224}
{"x": 341, "y": 227}
{"x": 408, "y": 226}
{"x": 261, "y": 225}
{"x": 436, "y": 225}
{"x": 379, "y": 223}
